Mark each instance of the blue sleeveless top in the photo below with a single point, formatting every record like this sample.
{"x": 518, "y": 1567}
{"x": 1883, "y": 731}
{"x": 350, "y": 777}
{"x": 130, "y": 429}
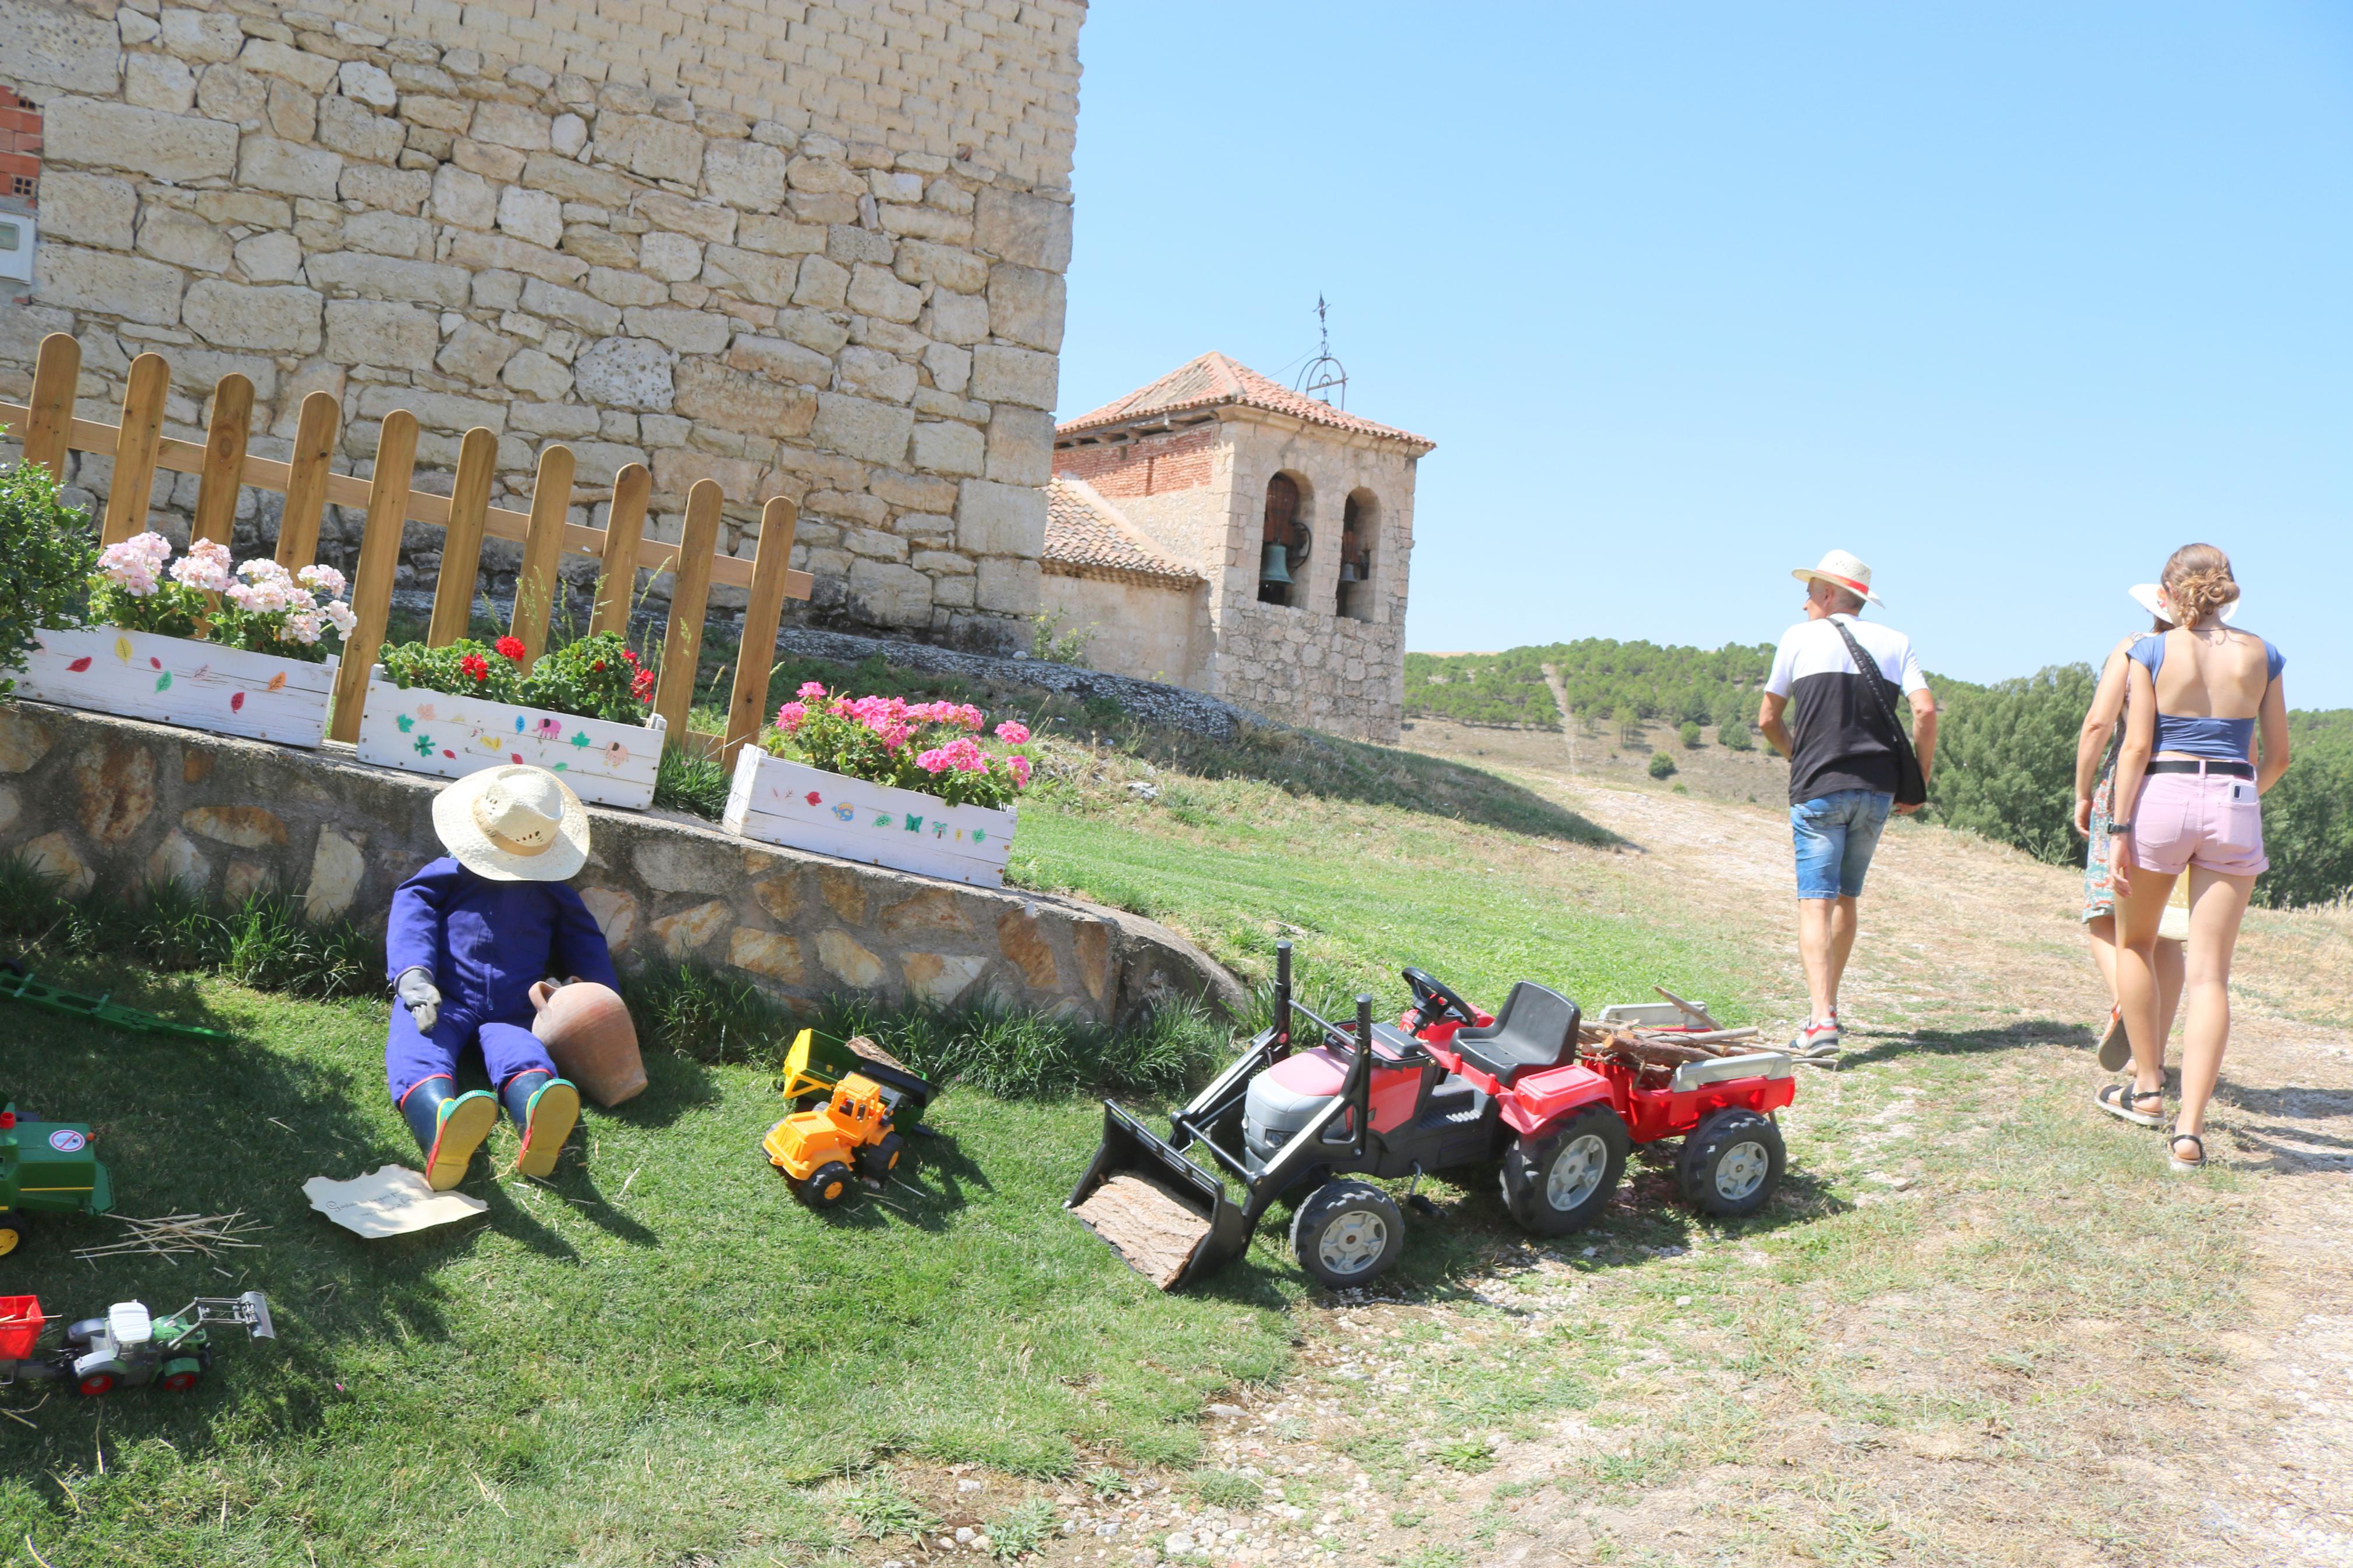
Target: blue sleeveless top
{"x": 2218, "y": 739}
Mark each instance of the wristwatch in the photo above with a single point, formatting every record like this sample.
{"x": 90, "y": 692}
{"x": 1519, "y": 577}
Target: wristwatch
{"x": 2116, "y": 827}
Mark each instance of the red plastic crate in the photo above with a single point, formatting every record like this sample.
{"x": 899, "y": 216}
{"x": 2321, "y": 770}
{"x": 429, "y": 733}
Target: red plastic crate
{"x": 20, "y": 1326}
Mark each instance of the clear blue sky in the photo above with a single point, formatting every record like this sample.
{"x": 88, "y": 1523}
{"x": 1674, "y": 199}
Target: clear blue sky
{"x": 2010, "y": 299}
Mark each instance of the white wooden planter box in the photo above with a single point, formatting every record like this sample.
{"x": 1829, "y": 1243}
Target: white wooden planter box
{"x": 179, "y": 680}
{"x": 423, "y": 732}
{"x": 802, "y": 807}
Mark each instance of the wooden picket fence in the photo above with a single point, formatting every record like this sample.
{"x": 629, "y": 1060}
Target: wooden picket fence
{"x": 139, "y": 447}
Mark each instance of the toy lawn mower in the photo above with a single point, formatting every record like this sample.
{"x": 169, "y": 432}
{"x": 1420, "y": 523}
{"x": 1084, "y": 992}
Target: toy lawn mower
{"x": 128, "y": 1347}
{"x": 46, "y": 1167}
{"x": 1448, "y": 1086}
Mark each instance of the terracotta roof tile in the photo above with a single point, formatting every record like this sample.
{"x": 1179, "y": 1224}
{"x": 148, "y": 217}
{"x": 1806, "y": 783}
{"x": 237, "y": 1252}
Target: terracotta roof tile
{"x": 1086, "y": 535}
{"x": 1214, "y": 379}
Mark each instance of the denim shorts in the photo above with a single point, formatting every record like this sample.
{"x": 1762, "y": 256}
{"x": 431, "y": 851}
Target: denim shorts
{"x": 1836, "y": 835}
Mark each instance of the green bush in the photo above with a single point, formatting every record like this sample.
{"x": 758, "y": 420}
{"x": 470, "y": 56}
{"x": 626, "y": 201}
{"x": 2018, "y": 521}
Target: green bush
{"x": 1689, "y": 732}
{"x": 46, "y": 556}
{"x": 1629, "y": 724}
{"x": 1733, "y": 735}
{"x": 1662, "y": 765}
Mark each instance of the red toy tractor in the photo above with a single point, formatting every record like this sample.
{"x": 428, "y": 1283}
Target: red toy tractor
{"x": 1447, "y": 1086}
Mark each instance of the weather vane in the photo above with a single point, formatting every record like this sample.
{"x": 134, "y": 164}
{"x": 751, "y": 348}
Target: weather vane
{"x": 1325, "y": 375}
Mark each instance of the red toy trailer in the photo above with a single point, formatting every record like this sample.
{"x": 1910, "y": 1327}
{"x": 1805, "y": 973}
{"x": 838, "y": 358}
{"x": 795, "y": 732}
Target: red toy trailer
{"x": 1447, "y": 1086}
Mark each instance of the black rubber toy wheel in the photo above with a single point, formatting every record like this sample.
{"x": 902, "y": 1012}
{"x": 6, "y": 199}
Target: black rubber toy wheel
{"x": 1347, "y": 1232}
{"x": 182, "y": 1374}
{"x": 877, "y": 1161}
{"x": 827, "y": 1185}
{"x": 1731, "y": 1163}
{"x": 1561, "y": 1183}
{"x": 95, "y": 1384}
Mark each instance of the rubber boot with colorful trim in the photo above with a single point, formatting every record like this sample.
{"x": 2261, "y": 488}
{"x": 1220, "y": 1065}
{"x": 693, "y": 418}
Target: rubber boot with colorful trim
{"x": 449, "y": 1127}
{"x": 543, "y": 1107}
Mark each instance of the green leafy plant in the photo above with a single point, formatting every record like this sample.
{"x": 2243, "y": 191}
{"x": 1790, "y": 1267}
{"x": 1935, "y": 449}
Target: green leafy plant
{"x": 1225, "y": 1488}
{"x": 1467, "y": 1453}
{"x": 1691, "y": 735}
{"x": 928, "y": 747}
{"x": 689, "y": 780}
{"x": 1106, "y": 1482}
{"x": 881, "y": 1508}
{"x": 598, "y": 677}
{"x": 1733, "y": 735}
{"x": 45, "y": 562}
{"x": 1662, "y": 765}
{"x": 1050, "y": 642}
{"x": 1023, "y": 1531}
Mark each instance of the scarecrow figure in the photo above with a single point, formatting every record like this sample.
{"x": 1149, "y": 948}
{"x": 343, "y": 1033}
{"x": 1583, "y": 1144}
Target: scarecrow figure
{"x": 469, "y": 936}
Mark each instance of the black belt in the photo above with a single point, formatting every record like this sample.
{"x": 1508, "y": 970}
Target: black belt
{"x": 2185, "y": 765}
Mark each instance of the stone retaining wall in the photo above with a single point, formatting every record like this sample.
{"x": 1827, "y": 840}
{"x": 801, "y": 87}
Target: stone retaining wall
{"x": 94, "y": 800}
{"x": 812, "y": 249}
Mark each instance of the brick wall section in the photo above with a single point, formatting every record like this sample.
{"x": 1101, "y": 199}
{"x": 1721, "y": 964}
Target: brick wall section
{"x": 20, "y": 148}
{"x": 809, "y": 249}
{"x": 1152, "y": 464}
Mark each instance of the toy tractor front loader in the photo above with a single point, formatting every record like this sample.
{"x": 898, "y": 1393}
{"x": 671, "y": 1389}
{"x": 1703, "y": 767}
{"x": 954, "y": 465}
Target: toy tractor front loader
{"x": 847, "y": 1137}
{"x": 1172, "y": 1219}
{"x": 46, "y": 1167}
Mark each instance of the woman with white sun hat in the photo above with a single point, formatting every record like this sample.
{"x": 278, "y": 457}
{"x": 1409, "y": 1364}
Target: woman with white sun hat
{"x": 469, "y": 936}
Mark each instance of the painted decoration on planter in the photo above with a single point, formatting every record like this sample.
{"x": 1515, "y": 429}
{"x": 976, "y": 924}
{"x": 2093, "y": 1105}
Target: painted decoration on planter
{"x": 179, "y": 680}
{"x": 419, "y": 730}
{"x": 788, "y": 802}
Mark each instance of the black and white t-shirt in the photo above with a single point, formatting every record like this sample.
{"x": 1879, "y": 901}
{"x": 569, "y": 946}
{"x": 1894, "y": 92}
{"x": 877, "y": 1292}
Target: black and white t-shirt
{"x": 1840, "y": 739}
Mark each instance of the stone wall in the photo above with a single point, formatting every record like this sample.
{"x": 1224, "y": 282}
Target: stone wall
{"x": 1153, "y": 628}
{"x": 812, "y": 249}
{"x": 95, "y": 801}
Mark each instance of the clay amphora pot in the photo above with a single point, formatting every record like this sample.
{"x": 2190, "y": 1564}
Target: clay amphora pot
{"x": 588, "y": 1031}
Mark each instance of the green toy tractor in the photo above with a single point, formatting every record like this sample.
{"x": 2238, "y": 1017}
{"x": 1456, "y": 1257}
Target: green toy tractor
{"x": 46, "y": 1167}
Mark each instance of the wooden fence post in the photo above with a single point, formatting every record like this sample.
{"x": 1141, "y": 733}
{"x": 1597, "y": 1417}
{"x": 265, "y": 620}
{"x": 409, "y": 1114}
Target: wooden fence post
{"x": 624, "y": 525}
{"x": 461, "y": 546}
{"x": 135, "y": 446}
{"x": 395, "y": 461}
{"x": 779, "y": 520}
{"x": 55, "y": 374}
{"x": 306, "y": 480}
{"x": 224, "y": 441}
{"x": 690, "y": 596}
{"x": 542, "y": 553}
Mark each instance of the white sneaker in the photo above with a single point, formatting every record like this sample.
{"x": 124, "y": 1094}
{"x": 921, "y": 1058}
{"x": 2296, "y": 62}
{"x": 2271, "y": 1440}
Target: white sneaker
{"x": 1817, "y": 1042}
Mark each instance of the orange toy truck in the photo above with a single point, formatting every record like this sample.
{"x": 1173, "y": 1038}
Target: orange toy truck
{"x": 848, "y": 1135}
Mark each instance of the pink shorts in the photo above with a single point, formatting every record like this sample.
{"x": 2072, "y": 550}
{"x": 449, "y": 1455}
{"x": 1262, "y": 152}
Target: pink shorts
{"x": 2199, "y": 819}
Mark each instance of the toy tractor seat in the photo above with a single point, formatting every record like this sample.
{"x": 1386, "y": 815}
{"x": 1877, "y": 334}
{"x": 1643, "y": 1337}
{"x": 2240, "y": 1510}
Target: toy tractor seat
{"x": 1536, "y": 1030}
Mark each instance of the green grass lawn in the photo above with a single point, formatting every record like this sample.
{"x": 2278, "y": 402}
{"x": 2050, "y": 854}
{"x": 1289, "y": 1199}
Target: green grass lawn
{"x": 656, "y": 1352}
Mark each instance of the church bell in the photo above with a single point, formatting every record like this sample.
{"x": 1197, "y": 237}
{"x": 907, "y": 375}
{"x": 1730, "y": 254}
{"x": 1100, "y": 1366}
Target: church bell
{"x": 1274, "y": 566}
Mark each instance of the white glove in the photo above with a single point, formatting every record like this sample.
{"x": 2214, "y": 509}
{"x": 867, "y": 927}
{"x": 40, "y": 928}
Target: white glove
{"x": 415, "y": 987}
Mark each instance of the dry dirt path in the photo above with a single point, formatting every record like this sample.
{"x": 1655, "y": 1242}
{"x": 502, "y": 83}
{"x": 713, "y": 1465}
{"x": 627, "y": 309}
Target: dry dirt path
{"x": 1979, "y": 1388}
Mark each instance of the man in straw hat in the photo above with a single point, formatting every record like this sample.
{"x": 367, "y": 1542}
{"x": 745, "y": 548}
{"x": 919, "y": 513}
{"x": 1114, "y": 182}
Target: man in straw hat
{"x": 1848, "y": 760}
{"x": 467, "y": 937}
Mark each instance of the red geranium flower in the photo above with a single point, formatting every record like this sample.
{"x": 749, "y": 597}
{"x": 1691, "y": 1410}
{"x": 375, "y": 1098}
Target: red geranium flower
{"x": 641, "y": 686}
{"x": 630, "y": 654}
{"x": 475, "y": 665}
{"x": 510, "y": 648}
{"x": 598, "y": 665}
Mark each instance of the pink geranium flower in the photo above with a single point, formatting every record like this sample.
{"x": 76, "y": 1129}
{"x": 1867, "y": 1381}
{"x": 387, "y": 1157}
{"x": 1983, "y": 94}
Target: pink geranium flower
{"x": 1013, "y": 732}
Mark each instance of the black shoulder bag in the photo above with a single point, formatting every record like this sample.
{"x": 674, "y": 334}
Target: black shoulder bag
{"x": 1911, "y": 788}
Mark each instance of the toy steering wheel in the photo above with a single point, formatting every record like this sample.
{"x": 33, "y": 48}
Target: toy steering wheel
{"x": 1435, "y": 1001}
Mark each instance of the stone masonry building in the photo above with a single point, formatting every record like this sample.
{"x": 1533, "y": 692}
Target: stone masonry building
{"x": 808, "y": 247}
{"x": 1166, "y": 508}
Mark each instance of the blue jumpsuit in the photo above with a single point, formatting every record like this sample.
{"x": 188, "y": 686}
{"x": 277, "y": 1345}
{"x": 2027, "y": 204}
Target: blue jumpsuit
{"x": 486, "y": 943}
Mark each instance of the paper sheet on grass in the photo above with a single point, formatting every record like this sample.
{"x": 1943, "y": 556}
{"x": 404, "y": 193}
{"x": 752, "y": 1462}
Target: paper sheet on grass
{"x": 391, "y": 1200}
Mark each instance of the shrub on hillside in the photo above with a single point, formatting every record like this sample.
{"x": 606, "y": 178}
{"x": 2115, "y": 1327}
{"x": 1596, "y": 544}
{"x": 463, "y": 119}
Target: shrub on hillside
{"x": 2005, "y": 765}
{"x": 1691, "y": 735}
{"x": 1734, "y": 736}
{"x": 46, "y": 556}
{"x": 1662, "y": 765}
